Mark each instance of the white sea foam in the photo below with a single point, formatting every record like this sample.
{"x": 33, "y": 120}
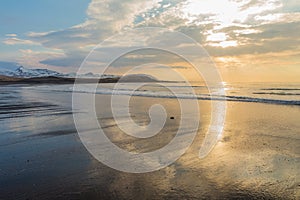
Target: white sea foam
{"x": 239, "y": 94}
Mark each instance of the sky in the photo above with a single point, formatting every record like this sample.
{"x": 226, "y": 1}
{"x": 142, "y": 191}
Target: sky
{"x": 249, "y": 40}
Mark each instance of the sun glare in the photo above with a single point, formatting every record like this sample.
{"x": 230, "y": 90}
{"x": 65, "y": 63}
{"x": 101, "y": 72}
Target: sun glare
{"x": 216, "y": 37}
{"x": 226, "y": 13}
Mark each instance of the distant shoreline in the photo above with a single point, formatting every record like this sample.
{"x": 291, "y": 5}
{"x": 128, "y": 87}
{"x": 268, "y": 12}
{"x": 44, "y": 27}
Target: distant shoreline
{"x": 7, "y": 80}
{"x": 52, "y": 80}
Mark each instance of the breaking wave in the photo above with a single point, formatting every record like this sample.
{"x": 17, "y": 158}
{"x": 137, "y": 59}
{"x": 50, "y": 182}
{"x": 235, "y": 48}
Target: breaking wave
{"x": 156, "y": 93}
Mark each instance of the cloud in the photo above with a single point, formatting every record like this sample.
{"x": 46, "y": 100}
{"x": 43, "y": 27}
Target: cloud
{"x": 65, "y": 60}
{"x": 235, "y": 27}
{"x": 263, "y": 39}
{"x": 16, "y": 41}
{"x": 32, "y": 58}
{"x": 104, "y": 19}
{"x": 167, "y": 67}
{"x": 11, "y": 35}
{"x": 225, "y": 28}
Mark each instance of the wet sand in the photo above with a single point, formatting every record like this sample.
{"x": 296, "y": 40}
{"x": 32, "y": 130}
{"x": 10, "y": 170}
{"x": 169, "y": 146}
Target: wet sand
{"x": 258, "y": 156}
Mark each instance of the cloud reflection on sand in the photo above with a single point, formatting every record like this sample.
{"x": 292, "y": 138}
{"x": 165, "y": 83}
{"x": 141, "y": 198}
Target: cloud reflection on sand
{"x": 257, "y": 157}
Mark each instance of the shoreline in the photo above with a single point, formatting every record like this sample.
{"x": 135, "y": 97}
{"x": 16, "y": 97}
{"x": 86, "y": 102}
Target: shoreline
{"x": 43, "y": 157}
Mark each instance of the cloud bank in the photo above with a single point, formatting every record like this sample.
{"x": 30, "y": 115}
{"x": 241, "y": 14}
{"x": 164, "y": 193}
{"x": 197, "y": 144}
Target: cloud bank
{"x": 230, "y": 30}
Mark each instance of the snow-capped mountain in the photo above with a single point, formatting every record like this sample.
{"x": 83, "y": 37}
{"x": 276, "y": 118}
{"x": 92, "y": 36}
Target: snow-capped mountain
{"x": 22, "y": 72}
{"x": 88, "y": 75}
{"x": 28, "y": 73}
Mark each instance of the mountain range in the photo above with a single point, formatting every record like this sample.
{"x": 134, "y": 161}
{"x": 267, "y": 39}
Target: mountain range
{"x": 22, "y": 72}
{"x": 22, "y": 75}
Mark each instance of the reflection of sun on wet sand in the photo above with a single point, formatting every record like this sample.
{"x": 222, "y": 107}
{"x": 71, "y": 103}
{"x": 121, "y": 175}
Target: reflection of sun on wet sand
{"x": 259, "y": 151}
{"x": 251, "y": 160}
{"x": 42, "y": 156}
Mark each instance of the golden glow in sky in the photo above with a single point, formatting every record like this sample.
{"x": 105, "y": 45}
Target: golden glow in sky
{"x": 249, "y": 40}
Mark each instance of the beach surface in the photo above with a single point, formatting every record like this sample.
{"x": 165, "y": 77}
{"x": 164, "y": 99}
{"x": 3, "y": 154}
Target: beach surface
{"x": 42, "y": 157}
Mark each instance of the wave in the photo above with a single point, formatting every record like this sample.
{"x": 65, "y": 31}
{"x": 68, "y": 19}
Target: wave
{"x": 278, "y": 93}
{"x": 262, "y": 100}
{"x": 155, "y": 94}
{"x": 282, "y": 89}
{"x": 180, "y": 95}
